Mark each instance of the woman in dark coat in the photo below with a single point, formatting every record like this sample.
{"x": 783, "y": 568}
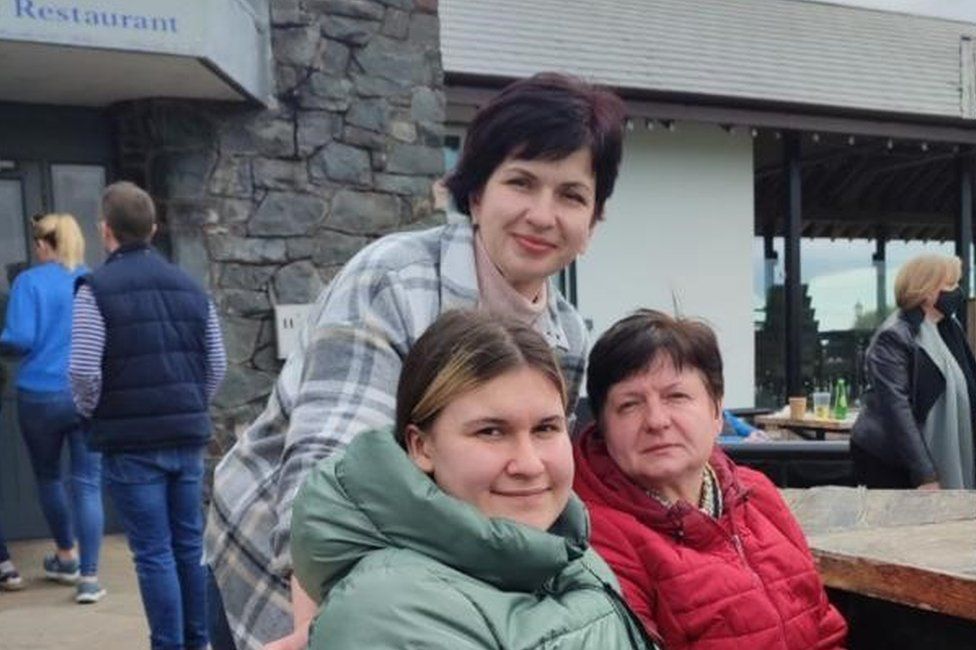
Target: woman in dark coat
{"x": 915, "y": 428}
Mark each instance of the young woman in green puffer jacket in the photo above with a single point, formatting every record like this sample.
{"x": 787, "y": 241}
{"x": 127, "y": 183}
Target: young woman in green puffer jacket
{"x": 459, "y": 530}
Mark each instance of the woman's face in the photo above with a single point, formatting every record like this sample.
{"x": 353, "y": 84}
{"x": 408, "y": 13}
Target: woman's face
{"x": 502, "y": 447}
{"x": 660, "y": 428}
{"x": 949, "y": 284}
{"x": 536, "y": 216}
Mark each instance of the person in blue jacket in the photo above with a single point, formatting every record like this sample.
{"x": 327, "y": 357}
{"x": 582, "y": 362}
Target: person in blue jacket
{"x": 736, "y": 429}
{"x": 38, "y": 329}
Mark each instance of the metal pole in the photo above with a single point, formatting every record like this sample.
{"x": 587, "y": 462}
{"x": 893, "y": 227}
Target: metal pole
{"x": 791, "y": 246}
{"x": 880, "y": 267}
{"x": 964, "y": 225}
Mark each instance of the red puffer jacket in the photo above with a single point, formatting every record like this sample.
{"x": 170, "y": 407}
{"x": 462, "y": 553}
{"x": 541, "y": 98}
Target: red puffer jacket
{"x": 746, "y": 580}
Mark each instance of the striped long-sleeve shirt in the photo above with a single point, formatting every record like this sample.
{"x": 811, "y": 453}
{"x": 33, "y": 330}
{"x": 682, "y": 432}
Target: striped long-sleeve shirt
{"x": 88, "y": 346}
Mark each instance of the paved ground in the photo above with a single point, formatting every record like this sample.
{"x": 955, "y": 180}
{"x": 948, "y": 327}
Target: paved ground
{"x": 44, "y": 616}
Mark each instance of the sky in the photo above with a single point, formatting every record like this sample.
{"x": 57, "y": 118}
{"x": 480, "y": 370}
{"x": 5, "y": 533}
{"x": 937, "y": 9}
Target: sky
{"x": 953, "y": 9}
{"x": 840, "y": 274}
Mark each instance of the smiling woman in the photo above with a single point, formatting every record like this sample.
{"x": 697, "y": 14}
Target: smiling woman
{"x": 466, "y": 533}
{"x": 535, "y": 216}
{"x": 538, "y": 164}
{"x": 486, "y": 418}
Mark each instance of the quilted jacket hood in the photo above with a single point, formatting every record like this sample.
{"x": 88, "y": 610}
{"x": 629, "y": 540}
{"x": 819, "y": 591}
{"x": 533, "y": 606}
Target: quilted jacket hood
{"x": 373, "y": 497}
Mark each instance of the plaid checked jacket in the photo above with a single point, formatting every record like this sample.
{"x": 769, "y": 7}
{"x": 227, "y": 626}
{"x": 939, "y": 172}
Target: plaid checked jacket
{"x": 340, "y": 381}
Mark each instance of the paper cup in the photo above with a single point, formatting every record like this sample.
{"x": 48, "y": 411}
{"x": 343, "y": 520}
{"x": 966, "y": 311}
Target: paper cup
{"x": 798, "y": 407}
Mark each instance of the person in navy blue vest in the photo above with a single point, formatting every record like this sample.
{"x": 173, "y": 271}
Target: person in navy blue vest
{"x": 147, "y": 357}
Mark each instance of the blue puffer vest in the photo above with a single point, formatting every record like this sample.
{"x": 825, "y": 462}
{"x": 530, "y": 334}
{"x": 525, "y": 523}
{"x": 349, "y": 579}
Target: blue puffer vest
{"x": 154, "y": 367}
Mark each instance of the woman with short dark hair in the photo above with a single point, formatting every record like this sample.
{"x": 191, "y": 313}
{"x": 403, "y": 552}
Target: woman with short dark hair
{"x": 538, "y": 164}
{"x": 459, "y": 529}
{"x": 707, "y": 553}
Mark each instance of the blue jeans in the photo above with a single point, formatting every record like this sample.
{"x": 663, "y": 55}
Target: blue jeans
{"x": 158, "y": 495}
{"x": 47, "y": 422}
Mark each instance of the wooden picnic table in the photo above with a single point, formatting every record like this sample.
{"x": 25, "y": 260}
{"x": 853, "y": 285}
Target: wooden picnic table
{"x": 916, "y": 548}
{"x": 809, "y": 427}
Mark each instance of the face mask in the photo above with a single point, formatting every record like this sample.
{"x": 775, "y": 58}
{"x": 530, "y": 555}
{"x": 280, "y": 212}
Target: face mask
{"x": 949, "y": 302}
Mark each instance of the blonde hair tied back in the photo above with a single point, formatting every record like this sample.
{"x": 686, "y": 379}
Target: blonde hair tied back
{"x": 62, "y": 232}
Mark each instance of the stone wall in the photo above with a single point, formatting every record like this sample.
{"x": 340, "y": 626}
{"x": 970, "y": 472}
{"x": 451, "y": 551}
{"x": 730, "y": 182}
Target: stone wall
{"x": 264, "y": 205}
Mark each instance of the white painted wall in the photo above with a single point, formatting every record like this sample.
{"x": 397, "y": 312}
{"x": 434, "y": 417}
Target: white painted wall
{"x": 679, "y": 228}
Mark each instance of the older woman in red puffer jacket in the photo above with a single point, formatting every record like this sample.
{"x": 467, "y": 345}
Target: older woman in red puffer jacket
{"x": 708, "y": 554}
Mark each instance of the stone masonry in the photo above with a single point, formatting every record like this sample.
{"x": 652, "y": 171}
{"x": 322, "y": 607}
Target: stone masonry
{"x": 264, "y": 205}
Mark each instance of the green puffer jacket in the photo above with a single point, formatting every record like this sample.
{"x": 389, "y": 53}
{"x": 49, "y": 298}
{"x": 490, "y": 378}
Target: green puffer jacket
{"x": 407, "y": 566}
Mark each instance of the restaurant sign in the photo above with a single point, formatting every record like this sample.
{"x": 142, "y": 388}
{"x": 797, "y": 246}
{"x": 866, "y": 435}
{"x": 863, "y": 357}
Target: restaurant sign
{"x": 171, "y": 27}
{"x": 93, "y": 17}
{"x": 230, "y": 36}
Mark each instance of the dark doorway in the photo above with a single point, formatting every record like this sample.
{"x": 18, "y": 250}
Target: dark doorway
{"x": 51, "y": 160}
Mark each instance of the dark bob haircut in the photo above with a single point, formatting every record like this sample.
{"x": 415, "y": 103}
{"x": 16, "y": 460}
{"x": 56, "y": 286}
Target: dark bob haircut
{"x": 634, "y": 343}
{"x": 545, "y": 117}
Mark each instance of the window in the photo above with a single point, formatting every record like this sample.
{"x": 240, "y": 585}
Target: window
{"x": 77, "y": 189}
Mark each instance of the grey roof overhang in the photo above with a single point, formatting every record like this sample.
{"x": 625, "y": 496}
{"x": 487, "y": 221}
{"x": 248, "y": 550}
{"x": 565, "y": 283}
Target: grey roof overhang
{"x": 758, "y": 62}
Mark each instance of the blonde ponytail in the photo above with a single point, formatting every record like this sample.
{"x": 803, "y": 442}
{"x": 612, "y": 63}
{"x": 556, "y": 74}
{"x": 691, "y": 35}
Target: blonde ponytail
{"x": 62, "y": 232}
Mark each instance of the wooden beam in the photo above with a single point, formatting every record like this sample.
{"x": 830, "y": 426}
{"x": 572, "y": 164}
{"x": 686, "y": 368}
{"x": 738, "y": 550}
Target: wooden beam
{"x": 867, "y": 150}
{"x": 908, "y": 185}
{"x": 940, "y": 190}
{"x": 926, "y": 192}
{"x": 877, "y": 216}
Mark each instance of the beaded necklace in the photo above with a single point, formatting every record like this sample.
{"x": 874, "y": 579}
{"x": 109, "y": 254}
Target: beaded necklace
{"x": 710, "y": 501}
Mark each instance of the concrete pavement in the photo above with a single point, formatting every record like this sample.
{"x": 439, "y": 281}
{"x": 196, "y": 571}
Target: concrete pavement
{"x": 44, "y": 616}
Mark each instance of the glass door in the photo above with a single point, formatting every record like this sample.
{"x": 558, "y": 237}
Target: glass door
{"x": 20, "y": 197}
{"x": 12, "y": 230}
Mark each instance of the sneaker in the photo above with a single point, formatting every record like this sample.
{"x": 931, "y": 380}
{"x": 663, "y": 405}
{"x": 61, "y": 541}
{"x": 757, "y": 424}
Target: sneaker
{"x": 65, "y": 571}
{"x": 89, "y": 591}
{"x": 10, "y": 580}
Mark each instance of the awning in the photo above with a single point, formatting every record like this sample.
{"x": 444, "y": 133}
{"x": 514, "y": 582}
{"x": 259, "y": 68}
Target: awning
{"x": 98, "y": 52}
